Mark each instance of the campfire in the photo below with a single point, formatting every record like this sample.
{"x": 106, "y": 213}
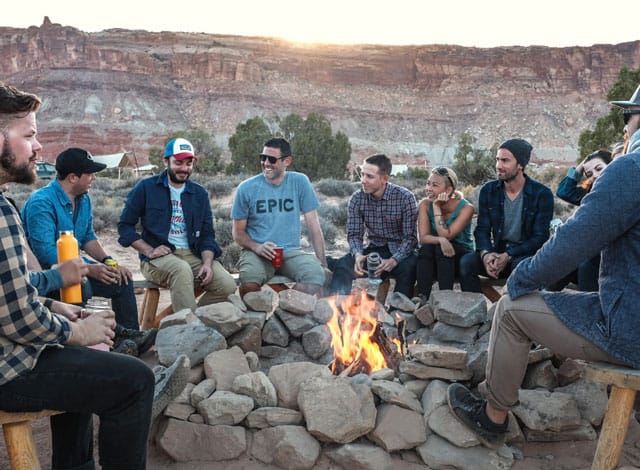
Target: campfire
{"x": 360, "y": 344}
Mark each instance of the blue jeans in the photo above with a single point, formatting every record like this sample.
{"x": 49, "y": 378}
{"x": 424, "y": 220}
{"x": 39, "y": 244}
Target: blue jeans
{"x": 123, "y": 300}
{"x": 343, "y": 273}
{"x": 82, "y": 381}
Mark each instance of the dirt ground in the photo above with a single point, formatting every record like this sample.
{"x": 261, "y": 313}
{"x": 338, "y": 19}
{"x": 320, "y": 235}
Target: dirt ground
{"x": 536, "y": 456}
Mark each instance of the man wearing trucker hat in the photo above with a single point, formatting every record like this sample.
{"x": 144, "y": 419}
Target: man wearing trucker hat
{"x": 177, "y": 245}
{"x": 631, "y": 115}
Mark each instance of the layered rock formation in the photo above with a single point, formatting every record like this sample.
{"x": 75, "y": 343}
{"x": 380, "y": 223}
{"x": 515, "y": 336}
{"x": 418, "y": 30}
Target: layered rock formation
{"x": 126, "y": 90}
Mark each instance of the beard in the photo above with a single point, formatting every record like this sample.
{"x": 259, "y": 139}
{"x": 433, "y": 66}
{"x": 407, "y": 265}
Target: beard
{"x": 508, "y": 177}
{"x": 174, "y": 177}
{"x": 22, "y": 174}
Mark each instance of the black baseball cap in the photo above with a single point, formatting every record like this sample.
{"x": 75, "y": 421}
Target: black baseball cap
{"x": 77, "y": 161}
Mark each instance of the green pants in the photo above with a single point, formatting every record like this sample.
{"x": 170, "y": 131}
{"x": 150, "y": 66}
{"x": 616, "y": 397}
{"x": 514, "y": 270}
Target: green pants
{"x": 178, "y": 272}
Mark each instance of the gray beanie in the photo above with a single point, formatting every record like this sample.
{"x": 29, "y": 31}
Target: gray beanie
{"x": 520, "y": 148}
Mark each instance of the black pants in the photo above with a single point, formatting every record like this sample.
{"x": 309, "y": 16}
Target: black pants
{"x": 82, "y": 381}
{"x": 434, "y": 265}
{"x": 344, "y": 274}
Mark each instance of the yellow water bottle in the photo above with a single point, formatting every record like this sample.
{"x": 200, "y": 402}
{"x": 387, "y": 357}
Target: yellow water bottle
{"x": 67, "y": 246}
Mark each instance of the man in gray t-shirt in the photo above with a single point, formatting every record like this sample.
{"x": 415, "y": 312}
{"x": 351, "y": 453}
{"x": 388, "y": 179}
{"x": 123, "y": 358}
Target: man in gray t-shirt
{"x": 266, "y": 216}
{"x": 514, "y": 212}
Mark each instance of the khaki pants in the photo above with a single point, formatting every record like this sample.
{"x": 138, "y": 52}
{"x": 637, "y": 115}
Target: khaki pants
{"x": 516, "y": 324}
{"x": 178, "y": 270}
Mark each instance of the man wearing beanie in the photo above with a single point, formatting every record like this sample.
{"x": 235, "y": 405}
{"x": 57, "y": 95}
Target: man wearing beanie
{"x": 514, "y": 212}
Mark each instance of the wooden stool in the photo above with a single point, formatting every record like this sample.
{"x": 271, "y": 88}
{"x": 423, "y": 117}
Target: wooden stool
{"x": 148, "y": 316}
{"x": 18, "y": 438}
{"x": 624, "y": 385}
{"x": 147, "y": 312}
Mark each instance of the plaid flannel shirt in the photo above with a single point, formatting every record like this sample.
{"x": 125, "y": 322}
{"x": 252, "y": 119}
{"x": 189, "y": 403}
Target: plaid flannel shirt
{"x": 26, "y": 326}
{"x": 391, "y": 220}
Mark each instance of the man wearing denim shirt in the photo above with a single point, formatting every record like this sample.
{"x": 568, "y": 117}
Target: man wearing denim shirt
{"x": 514, "y": 213}
{"x": 386, "y": 215}
{"x": 177, "y": 245}
{"x": 65, "y": 204}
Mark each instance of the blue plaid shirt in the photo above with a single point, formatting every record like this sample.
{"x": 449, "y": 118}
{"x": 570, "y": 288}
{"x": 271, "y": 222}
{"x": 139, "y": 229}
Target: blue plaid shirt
{"x": 391, "y": 220}
{"x": 26, "y": 326}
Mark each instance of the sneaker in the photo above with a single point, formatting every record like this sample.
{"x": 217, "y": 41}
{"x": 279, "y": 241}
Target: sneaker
{"x": 143, "y": 339}
{"x": 470, "y": 410}
{"x": 126, "y": 346}
{"x": 170, "y": 382}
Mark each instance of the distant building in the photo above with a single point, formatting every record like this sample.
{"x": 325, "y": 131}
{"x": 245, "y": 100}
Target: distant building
{"x": 124, "y": 161}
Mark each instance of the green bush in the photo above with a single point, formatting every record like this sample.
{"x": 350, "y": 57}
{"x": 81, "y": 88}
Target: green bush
{"x": 335, "y": 214}
{"x": 336, "y": 188}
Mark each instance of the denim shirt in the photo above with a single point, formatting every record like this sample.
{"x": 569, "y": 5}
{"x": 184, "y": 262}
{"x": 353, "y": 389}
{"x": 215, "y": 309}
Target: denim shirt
{"x": 150, "y": 203}
{"x": 47, "y": 212}
{"x": 537, "y": 211}
{"x": 606, "y": 222}
{"x": 568, "y": 189}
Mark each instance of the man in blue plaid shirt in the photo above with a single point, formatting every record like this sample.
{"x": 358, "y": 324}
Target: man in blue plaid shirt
{"x": 383, "y": 215}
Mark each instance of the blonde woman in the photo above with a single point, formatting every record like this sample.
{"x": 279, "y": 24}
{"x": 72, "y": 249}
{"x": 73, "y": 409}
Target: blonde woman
{"x": 444, "y": 231}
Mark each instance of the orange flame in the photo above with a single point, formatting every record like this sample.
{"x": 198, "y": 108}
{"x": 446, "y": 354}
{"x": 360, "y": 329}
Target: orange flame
{"x": 352, "y": 332}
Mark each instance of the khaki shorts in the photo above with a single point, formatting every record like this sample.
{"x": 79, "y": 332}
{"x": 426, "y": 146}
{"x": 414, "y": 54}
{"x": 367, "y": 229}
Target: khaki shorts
{"x": 297, "y": 265}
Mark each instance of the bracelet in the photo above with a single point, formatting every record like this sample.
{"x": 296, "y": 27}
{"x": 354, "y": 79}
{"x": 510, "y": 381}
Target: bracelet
{"x": 48, "y": 303}
{"x": 485, "y": 254}
{"x": 105, "y": 259}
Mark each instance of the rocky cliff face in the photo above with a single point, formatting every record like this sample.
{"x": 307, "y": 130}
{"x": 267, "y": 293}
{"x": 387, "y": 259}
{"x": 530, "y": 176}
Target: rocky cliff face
{"x": 126, "y": 90}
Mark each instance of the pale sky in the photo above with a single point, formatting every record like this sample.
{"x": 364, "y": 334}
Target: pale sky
{"x": 480, "y": 23}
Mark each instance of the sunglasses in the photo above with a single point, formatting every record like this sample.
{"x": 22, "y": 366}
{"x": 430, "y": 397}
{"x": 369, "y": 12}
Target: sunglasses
{"x": 271, "y": 159}
{"x": 442, "y": 171}
{"x": 626, "y": 115}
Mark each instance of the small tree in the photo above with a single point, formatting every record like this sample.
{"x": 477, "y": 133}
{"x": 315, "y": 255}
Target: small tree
{"x": 473, "y": 166}
{"x": 608, "y": 129}
{"x": 246, "y": 144}
{"x": 207, "y": 151}
{"x": 316, "y": 151}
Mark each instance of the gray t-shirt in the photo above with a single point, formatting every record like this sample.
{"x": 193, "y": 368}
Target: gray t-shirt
{"x": 273, "y": 212}
{"x": 512, "y": 229}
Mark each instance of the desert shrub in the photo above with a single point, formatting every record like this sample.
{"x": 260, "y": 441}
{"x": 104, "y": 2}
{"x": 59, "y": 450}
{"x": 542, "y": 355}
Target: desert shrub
{"x": 409, "y": 181}
{"x": 223, "y": 232}
{"x": 335, "y": 214}
{"x": 219, "y": 185}
{"x": 336, "y": 188}
{"x": 329, "y": 232}
{"x": 230, "y": 257}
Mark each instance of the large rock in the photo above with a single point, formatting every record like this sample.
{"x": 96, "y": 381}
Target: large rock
{"x": 439, "y": 454}
{"x": 273, "y": 416}
{"x": 289, "y": 447}
{"x": 361, "y": 457}
{"x": 439, "y": 356}
{"x": 225, "y": 408}
{"x": 297, "y": 302}
{"x": 541, "y": 410}
{"x": 194, "y": 339}
{"x": 287, "y": 378}
{"x": 185, "y": 441}
{"x": 398, "y": 428}
{"x": 336, "y": 410}
{"x": 396, "y": 394}
{"x": 225, "y": 317}
{"x": 463, "y": 309}
{"x": 257, "y": 386}
{"x": 224, "y": 366}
